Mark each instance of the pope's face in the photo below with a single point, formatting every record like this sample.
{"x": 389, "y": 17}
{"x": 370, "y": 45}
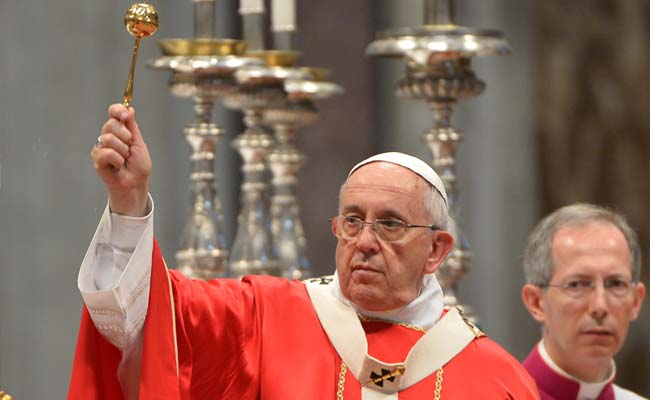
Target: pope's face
{"x": 378, "y": 275}
{"x": 594, "y": 325}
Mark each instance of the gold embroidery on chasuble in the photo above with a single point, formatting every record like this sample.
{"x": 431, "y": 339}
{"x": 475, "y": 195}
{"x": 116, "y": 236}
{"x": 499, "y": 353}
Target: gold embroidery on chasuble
{"x": 386, "y": 375}
{"x": 340, "y": 386}
{"x": 472, "y": 327}
{"x": 379, "y": 379}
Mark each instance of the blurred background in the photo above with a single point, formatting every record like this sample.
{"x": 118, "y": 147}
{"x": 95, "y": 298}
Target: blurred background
{"x": 564, "y": 118}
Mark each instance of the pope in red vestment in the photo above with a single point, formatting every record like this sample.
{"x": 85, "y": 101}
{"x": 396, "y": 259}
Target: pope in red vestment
{"x": 260, "y": 338}
{"x": 272, "y": 339}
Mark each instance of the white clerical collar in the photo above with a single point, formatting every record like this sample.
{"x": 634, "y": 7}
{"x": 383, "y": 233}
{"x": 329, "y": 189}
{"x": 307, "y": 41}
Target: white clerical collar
{"x": 424, "y": 311}
{"x": 588, "y": 390}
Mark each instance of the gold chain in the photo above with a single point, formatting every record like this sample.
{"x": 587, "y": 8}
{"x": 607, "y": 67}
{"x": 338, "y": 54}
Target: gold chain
{"x": 410, "y": 326}
{"x": 341, "y": 386}
{"x": 436, "y": 394}
{"x": 344, "y": 368}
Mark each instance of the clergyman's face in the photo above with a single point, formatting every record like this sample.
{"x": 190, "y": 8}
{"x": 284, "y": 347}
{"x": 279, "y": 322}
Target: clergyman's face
{"x": 596, "y": 324}
{"x": 378, "y": 275}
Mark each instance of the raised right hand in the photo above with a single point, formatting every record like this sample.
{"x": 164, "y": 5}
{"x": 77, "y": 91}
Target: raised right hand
{"x": 123, "y": 163}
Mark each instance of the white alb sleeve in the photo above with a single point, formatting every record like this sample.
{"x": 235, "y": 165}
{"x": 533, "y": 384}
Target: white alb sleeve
{"x": 115, "y": 275}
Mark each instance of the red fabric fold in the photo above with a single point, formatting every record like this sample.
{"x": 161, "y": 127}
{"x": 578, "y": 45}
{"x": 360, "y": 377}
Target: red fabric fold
{"x": 94, "y": 369}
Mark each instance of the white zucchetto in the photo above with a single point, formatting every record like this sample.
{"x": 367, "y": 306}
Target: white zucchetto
{"x": 413, "y": 163}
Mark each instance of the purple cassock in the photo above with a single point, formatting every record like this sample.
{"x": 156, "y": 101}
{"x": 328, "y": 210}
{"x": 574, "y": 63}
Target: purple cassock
{"x": 555, "y": 384}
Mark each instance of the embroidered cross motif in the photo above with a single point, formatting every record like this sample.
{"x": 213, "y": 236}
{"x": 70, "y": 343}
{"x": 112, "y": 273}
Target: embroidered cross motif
{"x": 386, "y": 375}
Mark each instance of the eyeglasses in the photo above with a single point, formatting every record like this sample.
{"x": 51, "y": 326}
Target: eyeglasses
{"x": 388, "y": 230}
{"x": 579, "y": 288}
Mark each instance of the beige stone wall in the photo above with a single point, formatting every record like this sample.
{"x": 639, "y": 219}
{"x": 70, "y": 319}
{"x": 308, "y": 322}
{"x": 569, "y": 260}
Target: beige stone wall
{"x": 593, "y": 102}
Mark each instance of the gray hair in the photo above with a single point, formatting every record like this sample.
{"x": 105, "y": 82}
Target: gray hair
{"x": 538, "y": 255}
{"x": 434, "y": 205}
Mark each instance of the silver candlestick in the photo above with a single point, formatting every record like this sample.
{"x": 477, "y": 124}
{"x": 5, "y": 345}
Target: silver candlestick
{"x": 438, "y": 71}
{"x": 202, "y": 68}
{"x": 259, "y": 87}
{"x": 285, "y": 160}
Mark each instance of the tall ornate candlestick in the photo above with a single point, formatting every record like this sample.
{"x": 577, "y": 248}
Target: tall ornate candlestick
{"x": 285, "y": 160}
{"x": 438, "y": 71}
{"x": 259, "y": 87}
{"x": 202, "y": 68}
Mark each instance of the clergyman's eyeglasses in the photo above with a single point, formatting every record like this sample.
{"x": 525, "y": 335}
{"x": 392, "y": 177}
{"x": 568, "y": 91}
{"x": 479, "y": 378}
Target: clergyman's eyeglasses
{"x": 579, "y": 288}
{"x": 388, "y": 230}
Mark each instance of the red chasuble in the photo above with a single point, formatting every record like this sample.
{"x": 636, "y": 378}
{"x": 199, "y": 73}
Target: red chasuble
{"x": 260, "y": 338}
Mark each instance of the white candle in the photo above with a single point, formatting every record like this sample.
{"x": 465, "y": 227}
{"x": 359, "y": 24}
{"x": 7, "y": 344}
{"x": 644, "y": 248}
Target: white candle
{"x": 251, "y": 6}
{"x": 283, "y": 15}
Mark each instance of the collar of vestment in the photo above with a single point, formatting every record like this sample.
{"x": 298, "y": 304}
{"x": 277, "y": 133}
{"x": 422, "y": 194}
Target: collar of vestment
{"x": 424, "y": 311}
{"x": 555, "y": 383}
{"x": 379, "y": 379}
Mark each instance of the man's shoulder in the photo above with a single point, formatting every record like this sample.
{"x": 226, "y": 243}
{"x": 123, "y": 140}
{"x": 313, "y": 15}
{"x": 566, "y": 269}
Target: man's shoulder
{"x": 624, "y": 394}
{"x": 257, "y": 285}
{"x": 249, "y": 286}
{"x": 490, "y": 364}
{"x": 268, "y": 280}
{"x": 486, "y": 348}
{"x": 491, "y": 359}
{"x": 273, "y": 285}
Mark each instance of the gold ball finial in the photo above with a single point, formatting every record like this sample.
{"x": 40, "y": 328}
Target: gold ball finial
{"x": 4, "y": 396}
{"x": 141, "y": 20}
